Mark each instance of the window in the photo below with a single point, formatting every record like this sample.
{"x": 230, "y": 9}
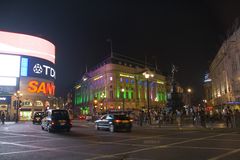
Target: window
{"x": 132, "y": 81}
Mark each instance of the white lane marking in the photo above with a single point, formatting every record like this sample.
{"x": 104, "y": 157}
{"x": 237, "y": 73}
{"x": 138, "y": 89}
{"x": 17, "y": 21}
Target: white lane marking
{"x": 203, "y": 148}
{"x": 27, "y": 135}
{"x": 17, "y": 152}
{"x": 225, "y": 154}
{"x": 155, "y": 147}
{"x": 21, "y": 145}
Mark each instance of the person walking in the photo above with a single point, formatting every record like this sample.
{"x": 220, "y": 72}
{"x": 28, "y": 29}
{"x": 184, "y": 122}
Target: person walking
{"x": 178, "y": 118}
{"x": 237, "y": 118}
{"x": 141, "y": 117}
{"x": 3, "y": 117}
{"x": 229, "y": 115}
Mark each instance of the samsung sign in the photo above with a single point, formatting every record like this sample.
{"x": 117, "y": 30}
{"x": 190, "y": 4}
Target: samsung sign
{"x": 35, "y": 67}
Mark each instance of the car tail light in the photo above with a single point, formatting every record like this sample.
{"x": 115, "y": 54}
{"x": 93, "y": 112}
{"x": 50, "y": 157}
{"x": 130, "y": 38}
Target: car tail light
{"x": 131, "y": 120}
{"x": 117, "y": 121}
{"x": 52, "y": 123}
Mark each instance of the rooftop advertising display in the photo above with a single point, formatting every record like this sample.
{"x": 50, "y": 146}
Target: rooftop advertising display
{"x": 21, "y": 44}
{"x": 36, "y": 67}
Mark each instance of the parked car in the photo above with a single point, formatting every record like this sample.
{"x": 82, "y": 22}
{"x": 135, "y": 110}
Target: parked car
{"x": 56, "y": 119}
{"x": 114, "y": 122}
{"x": 37, "y": 117}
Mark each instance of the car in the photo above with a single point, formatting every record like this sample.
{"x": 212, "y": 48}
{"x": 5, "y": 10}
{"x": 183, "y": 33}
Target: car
{"x": 56, "y": 119}
{"x": 37, "y": 117}
{"x": 114, "y": 122}
{"x": 88, "y": 118}
{"x": 82, "y": 117}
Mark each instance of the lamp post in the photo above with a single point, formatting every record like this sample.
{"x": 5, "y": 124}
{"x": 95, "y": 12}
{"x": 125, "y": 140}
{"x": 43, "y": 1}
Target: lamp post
{"x": 189, "y": 90}
{"x": 122, "y": 91}
{"x": 95, "y": 102}
{"x": 18, "y": 95}
{"x": 147, "y": 75}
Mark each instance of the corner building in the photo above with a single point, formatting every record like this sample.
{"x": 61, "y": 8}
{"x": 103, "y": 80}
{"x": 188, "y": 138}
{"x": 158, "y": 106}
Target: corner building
{"x": 28, "y": 66}
{"x": 225, "y": 73}
{"x": 118, "y": 83}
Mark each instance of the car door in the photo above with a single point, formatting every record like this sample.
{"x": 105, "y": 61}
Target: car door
{"x": 44, "y": 120}
{"x": 102, "y": 121}
{"x": 108, "y": 121}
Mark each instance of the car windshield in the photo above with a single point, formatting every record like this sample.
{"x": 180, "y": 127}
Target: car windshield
{"x": 60, "y": 114}
{"x": 121, "y": 117}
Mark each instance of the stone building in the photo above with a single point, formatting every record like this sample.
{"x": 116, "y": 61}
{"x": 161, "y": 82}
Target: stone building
{"x": 119, "y": 83}
{"x": 225, "y": 72}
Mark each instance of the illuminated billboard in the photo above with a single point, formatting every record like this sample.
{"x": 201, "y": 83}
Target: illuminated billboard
{"x": 8, "y": 81}
{"x": 21, "y": 44}
{"x": 10, "y": 65}
{"x": 37, "y": 87}
{"x": 36, "y": 67}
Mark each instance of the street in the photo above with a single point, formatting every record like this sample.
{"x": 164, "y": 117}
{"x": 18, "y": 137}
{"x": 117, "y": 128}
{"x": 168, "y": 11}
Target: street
{"x": 27, "y": 141}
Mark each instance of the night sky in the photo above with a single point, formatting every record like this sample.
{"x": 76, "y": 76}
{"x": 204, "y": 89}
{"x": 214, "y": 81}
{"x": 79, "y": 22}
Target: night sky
{"x": 185, "y": 33}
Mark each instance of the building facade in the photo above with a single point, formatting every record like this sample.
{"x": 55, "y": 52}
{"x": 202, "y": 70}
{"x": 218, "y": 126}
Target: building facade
{"x": 225, "y": 72}
{"x": 27, "y": 67}
{"x": 119, "y": 84}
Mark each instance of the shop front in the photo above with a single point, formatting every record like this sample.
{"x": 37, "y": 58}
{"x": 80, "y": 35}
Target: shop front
{"x": 5, "y": 104}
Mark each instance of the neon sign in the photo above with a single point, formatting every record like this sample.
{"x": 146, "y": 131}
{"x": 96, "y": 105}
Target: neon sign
{"x": 46, "y": 88}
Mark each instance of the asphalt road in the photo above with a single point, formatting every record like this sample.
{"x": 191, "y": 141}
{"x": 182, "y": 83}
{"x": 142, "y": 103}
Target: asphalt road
{"x": 25, "y": 141}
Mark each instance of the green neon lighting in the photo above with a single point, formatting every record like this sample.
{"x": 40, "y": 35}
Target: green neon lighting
{"x": 118, "y": 93}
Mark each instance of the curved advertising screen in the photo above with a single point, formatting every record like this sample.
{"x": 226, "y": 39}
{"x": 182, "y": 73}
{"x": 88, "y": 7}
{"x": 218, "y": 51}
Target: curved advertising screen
{"x": 22, "y": 44}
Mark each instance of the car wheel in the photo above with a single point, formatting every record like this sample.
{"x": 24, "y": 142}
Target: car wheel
{"x": 111, "y": 128}
{"x": 96, "y": 126}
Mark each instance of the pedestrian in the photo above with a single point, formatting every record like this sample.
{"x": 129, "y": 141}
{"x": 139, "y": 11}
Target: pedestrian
{"x": 178, "y": 118}
{"x": 160, "y": 118}
{"x": 3, "y": 117}
{"x": 237, "y": 118}
{"x": 141, "y": 117}
{"x": 228, "y": 117}
{"x": 202, "y": 117}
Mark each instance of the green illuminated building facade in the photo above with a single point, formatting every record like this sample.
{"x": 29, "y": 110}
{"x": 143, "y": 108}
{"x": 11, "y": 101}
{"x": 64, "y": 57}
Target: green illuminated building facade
{"x": 117, "y": 83}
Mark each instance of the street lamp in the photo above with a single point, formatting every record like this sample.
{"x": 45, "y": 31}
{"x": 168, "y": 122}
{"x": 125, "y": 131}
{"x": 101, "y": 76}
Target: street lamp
{"x": 147, "y": 75}
{"x": 189, "y": 90}
{"x": 18, "y": 95}
{"x": 122, "y": 90}
{"x": 95, "y": 102}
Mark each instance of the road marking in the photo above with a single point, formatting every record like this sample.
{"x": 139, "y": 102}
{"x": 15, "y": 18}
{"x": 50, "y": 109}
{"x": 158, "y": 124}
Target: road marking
{"x": 17, "y": 152}
{"x": 21, "y": 145}
{"x": 225, "y": 154}
{"x": 154, "y": 147}
{"x": 208, "y": 148}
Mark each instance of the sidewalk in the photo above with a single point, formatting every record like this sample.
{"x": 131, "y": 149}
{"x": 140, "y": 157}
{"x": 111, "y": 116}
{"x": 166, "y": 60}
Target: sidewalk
{"x": 188, "y": 125}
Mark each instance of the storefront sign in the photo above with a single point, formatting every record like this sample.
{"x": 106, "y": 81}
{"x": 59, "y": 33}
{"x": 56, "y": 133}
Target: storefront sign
{"x": 47, "y": 88}
{"x": 5, "y": 99}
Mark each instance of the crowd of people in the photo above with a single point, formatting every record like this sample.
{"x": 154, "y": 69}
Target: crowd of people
{"x": 197, "y": 116}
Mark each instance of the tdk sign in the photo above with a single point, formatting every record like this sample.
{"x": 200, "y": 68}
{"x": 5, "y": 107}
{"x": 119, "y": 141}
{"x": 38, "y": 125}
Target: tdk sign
{"x": 36, "y": 67}
{"x": 44, "y": 70}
